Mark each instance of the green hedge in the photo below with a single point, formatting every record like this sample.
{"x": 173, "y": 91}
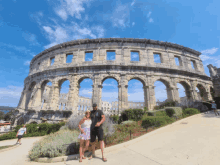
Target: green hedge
{"x": 170, "y": 112}
{"x": 151, "y": 113}
{"x": 32, "y": 130}
{"x": 160, "y": 113}
{"x": 131, "y": 114}
{"x": 156, "y": 121}
{"x": 115, "y": 118}
{"x": 190, "y": 111}
{"x": 178, "y": 110}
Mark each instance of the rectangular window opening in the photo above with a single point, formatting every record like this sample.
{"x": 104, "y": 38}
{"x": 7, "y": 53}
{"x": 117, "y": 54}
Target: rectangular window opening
{"x": 52, "y": 61}
{"x": 88, "y": 56}
{"x": 134, "y": 56}
{"x": 193, "y": 64}
{"x": 157, "y": 58}
{"x": 69, "y": 58}
{"x": 110, "y": 55}
{"x": 177, "y": 61}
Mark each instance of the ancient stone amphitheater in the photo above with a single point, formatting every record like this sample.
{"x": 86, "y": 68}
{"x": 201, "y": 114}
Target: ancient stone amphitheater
{"x": 122, "y": 69}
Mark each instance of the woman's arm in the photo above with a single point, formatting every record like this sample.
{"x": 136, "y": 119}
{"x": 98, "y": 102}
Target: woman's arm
{"x": 81, "y": 122}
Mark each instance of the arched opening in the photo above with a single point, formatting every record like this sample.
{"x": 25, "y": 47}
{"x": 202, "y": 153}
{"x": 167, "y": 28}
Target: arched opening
{"x": 212, "y": 92}
{"x": 110, "y": 94}
{"x": 135, "y": 94}
{"x": 184, "y": 92}
{"x": 201, "y": 93}
{"x": 33, "y": 122}
{"x": 30, "y": 95}
{"x": 20, "y": 121}
{"x": 63, "y": 93}
{"x": 161, "y": 92}
{"x": 46, "y": 93}
{"x": 85, "y": 93}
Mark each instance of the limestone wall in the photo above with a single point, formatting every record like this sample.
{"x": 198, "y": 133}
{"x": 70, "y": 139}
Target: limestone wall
{"x": 122, "y": 69}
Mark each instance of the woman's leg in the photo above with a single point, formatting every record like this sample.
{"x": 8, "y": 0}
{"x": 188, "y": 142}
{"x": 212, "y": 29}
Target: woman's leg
{"x": 86, "y": 146}
{"x": 80, "y": 150}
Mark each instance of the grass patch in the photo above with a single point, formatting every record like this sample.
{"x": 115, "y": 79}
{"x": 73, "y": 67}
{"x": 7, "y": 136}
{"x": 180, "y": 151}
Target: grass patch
{"x": 4, "y": 147}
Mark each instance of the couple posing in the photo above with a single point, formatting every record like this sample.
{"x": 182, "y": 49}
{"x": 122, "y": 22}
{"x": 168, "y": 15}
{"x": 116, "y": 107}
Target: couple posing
{"x": 91, "y": 127}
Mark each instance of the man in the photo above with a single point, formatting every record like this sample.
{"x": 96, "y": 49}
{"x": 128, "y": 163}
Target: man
{"x": 214, "y": 108}
{"x": 96, "y": 129}
{"x": 20, "y": 133}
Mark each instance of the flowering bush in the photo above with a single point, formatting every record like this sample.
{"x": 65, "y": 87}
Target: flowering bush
{"x": 54, "y": 144}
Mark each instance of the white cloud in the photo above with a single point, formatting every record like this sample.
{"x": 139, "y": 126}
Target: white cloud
{"x": 59, "y": 34}
{"x": 218, "y": 63}
{"x": 120, "y": 16}
{"x": 70, "y": 7}
{"x": 209, "y": 51}
{"x": 151, "y": 20}
{"x": 18, "y": 48}
{"x": 149, "y": 13}
{"x": 10, "y": 95}
{"x": 205, "y": 57}
{"x": 133, "y": 3}
{"x": 27, "y": 63}
{"x": 133, "y": 23}
{"x": 31, "y": 38}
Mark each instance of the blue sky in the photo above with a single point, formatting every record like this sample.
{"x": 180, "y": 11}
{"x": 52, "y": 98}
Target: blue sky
{"x": 29, "y": 27}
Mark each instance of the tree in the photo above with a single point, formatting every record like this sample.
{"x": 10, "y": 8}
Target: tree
{"x": 2, "y": 114}
{"x": 9, "y": 116}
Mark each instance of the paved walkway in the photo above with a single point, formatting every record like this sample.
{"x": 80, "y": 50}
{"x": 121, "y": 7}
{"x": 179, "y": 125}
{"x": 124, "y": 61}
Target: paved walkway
{"x": 191, "y": 141}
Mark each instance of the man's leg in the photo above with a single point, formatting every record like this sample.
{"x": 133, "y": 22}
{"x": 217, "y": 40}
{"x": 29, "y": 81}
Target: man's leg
{"x": 101, "y": 143}
{"x": 92, "y": 140}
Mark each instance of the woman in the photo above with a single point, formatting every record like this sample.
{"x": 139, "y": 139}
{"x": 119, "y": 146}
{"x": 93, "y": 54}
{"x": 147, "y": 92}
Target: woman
{"x": 85, "y": 134}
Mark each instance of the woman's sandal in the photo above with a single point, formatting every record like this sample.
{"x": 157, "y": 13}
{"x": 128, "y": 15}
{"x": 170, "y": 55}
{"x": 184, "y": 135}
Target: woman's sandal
{"x": 80, "y": 160}
{"x": 83, "y": 157}
{"x": 104, "y": 159}
{"x": 92, "y": 156}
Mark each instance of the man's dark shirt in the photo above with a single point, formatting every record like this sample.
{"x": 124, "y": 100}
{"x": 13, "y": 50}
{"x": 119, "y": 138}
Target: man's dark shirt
{"x": 96, "y": 116}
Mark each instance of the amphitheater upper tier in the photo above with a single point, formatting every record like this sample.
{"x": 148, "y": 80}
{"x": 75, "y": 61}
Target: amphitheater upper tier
{"x": 122, "y": 69}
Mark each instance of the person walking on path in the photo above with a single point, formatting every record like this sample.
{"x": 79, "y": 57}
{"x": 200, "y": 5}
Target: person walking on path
{"x": 84, "y": 135}
{"x": 214, "y": 108}
{"x": 20, "y": 133}
{"x": 97, "y": 117}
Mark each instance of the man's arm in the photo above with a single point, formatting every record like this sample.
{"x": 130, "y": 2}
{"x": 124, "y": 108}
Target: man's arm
{"x": 99, "y": 123}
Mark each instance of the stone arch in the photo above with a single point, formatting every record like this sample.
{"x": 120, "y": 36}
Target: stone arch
{"x": 165, "y": 81}
{"x": 187, "y": 88}
{"x": 140, "y": 78}
{"x": 212, "y": 92}
{"x": 109, "y": 76}
{"x": 81, "y": 78}
{"x": 30, "y": 94}
{"x": 203, "y": 91}
{"x": 20, "y": 121}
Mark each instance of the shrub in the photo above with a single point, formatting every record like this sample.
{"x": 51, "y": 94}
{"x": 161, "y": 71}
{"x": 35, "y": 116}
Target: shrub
{"x": 115, "y": 118}
{"x": 170, "y": 112}
{"x": 53, "y": 144}
{"x": 156, "y": 121}
{"x": 73, "y": 122}
{"x": 132, "y": 114}
{"x": 31, "y": 128}
{"x": 108, "y": 127}
{"x": 178, "y": 111}
{"x": 127, "y": 122}
{"x": 190, "y": 111}
{"x": 151, "y": 113}
{"x": 67, "y": 113}
{"x": 160, "y": 113}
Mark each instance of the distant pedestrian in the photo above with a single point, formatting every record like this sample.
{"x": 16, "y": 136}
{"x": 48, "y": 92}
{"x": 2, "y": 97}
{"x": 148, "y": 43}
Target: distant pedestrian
{"x": 20, "y": 133}
{"x": 214, "y": 108}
